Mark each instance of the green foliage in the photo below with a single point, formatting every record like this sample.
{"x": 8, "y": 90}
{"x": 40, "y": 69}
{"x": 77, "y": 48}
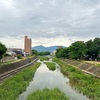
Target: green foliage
{"x": 85, "y": 83}
{"x": 51, "y": 65}
{"x": 93, "y": 49}
{"x": 15, "y": 85}
{"x": 3, "y": 49}
{"x": 34, "y": 52}
{"x": 98, "y": 65}
{"x": 78, "y": 50}
{"x": 81, "y": 50}
{"x": 44, "y": 53}
{"x": 46, "y": 94}
{"x": 6, "y": 55}
{"x": 62, "y": 53}
{"x": 42, "y": 58}
{"x": 19, "y": 56}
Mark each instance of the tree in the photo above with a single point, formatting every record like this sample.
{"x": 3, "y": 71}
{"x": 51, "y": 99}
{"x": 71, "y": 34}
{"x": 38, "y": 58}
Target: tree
{"x": 3, "y": 49}
{"x": 44, "y": 53}
{"x": 93, "y": 49}
{"x": 81, "y": 50}
{"x": 97, "y": 48}
{"x": 77, "y": 50}
{"x": 62, "y": 53}
{"x": 34, "y": 52}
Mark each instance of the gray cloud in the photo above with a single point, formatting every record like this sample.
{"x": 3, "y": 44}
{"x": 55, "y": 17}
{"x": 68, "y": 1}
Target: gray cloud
{"x": 66, "y": 19}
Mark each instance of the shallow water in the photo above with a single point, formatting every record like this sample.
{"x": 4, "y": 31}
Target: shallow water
{"x": 44, "y": 78}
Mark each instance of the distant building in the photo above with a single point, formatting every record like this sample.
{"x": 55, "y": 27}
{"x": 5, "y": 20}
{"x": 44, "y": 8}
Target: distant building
{"x": 15, "y": 51}
{"x": 59, "y": 47}
{"x": 27, "y": 45}
{"x": 10, "y": 52}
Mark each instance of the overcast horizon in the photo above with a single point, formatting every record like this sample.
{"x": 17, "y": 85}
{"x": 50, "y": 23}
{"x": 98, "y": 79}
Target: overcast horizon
{"x": 48, "y": 22}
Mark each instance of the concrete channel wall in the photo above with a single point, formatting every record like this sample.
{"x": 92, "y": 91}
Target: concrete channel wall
{"x": 85, "y": 67}
{"x": 9, "y": 67}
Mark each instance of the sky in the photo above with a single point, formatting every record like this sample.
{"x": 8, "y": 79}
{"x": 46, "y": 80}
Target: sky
{"x": 48, "y": 22}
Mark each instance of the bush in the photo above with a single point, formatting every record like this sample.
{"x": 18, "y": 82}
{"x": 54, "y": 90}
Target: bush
{"x": 15, "y": 85}
{"x": 42, "y": 58}
{"x": 51, "y": 65}
{"x": 85, "y": 83}
{"x": 47, "y": 94}
{"x": 19, "y": 57}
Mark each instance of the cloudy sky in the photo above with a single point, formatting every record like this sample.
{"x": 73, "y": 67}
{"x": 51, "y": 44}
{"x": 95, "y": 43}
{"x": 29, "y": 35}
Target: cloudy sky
{"x": 48, "y": 22}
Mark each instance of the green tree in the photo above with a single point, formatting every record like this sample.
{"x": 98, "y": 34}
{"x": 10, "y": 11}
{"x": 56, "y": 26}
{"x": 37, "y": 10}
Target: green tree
{"x": 3, "y": 49}
{"x": 93, "y": 49}
{"x": 97, "y": 48}
{"x": 44, "y": 53}
{"x": 78, "y": 50}
{"x": 90, "y": 49}
{"x": 62, "y": 53}
{"x": 34, "y": 52}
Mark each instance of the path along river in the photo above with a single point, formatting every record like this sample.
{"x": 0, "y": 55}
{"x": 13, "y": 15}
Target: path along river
{"x": 44, "y": 78}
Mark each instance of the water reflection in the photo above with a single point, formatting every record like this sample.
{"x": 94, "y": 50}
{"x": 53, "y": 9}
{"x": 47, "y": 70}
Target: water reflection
{"x": 44, "y": 78}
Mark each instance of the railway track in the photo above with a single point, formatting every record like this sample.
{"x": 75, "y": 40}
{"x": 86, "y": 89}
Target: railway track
{"x": 10, "y": 73}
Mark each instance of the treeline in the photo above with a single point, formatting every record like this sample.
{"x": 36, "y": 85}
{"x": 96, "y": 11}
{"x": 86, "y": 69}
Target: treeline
{"x": 40, "y": 53}
{"x": 81, "y": 50}
{"x": 3, "y": 50}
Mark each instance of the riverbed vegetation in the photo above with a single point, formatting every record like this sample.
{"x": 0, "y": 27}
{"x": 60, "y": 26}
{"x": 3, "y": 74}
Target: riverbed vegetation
{"x": 46, "y": 94}
{"x": 11, "y": 88}
{"x": 51, "y": 65}
{"x": 87, "y": 84}
{"x": 98, "y": 65}
{"x": 42, "y": 58}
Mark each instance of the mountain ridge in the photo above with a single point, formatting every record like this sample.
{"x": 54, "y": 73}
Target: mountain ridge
{"x": 41, "y": 48}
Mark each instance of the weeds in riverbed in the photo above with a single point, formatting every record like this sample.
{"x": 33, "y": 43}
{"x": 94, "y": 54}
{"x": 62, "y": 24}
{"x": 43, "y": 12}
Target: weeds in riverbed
{"x": 15, "y": 85}
{"x": 98, "y": 65}
{"x": 85, "y": 83}
{"x": 51, "y": 65}
{"x": 47, "y": 94}
{"x": 42, "y": 58}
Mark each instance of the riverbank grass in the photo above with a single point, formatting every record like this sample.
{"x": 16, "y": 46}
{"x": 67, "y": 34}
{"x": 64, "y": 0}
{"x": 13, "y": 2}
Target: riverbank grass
{"x": 42, "y": 58}
{"x": 51, "y": 65}
{"x": 87, "y": 84}
{"x": 46, "y": 94}
{"x": 14, "y": 86}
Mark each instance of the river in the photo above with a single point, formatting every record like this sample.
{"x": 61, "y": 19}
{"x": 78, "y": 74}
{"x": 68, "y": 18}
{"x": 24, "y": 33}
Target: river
{"x": 45, "y": 78}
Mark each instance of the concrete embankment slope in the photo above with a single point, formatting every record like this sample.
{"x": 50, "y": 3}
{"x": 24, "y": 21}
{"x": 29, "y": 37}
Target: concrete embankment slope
{"x": 9, "y": 67}
{"x": 85, "y": 67}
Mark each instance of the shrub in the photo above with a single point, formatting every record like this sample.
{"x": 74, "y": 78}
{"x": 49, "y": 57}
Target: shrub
{"x": 47, "y": 94}
{"x": 42, "y": 58}
{"x": 87, "y": 84}
{"x": 19, "y": 56}
{"x": 51, "y": 65}
{"x": 15, "y": 85}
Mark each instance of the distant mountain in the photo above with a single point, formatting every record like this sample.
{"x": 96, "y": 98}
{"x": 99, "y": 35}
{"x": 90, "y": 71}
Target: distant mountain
{"x": 41, "y": 48}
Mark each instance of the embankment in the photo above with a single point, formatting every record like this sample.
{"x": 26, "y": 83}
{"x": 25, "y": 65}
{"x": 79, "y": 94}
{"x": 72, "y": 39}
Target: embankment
{"x": 9, "y": 67}
{"x": 85, "y": 67}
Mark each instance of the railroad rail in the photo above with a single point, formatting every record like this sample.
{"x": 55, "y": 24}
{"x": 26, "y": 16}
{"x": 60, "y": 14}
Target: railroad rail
{"x": 10, "y": 73}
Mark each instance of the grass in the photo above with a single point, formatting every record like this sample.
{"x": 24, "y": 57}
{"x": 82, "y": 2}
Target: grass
{"x": 15, "y": 85}
{"x": 84, "y": 83}
{"x": 13, "y": 61}
{"x": 7, "y": 62}
{"x": 42, "y": 58}
{"x": 98, "y": 65}
{"x": 47, "y": 94}
{"x": 51, "y": 65}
